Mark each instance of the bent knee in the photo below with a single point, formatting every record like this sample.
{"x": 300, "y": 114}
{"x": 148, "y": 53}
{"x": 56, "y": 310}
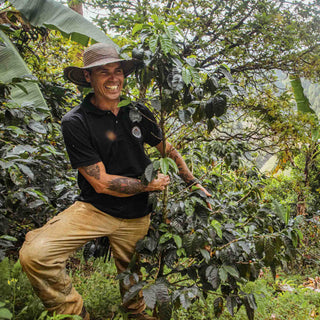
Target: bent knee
{"x": 31, "y": 254}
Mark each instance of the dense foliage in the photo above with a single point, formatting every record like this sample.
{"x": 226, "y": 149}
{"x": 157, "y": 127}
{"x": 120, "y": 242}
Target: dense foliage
{"x": 206, "y": 71}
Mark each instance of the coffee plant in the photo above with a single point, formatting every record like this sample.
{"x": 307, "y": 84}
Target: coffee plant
{"x": 193, "y": 250}
{"x": 32, "y": 188}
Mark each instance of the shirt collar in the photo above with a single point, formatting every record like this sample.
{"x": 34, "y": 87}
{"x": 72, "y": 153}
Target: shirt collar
{"x": 89, "y": 107}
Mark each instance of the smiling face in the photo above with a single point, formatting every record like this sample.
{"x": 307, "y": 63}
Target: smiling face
{"x": 107, "y": 82}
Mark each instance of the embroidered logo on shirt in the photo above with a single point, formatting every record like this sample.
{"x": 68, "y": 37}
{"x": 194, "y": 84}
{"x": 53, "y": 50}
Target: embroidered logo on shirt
{"x": 136, "y": 132}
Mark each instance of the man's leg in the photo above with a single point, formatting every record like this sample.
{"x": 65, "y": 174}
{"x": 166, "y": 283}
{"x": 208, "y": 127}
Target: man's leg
{"x": 123, "y": 242}
{"x": 45, "y": 251}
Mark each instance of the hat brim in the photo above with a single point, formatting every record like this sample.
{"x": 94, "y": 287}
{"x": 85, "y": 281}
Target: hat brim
{"x": 76, "y": 74}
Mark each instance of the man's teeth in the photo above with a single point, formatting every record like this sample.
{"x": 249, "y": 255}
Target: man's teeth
{"x": 112, "y": 87}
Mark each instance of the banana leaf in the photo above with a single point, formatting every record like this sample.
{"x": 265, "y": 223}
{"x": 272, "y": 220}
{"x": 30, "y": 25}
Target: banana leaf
{"x": 12, "y": 67}
{"x": 56, "y": 16}
{"x": 302, "y": 101}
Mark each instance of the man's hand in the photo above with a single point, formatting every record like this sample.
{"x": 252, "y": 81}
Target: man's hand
{"x": 200, "y": 187}
{"x": 158, "y": 183}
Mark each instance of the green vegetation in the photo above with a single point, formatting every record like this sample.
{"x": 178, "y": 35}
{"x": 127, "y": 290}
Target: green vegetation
{"x": 208, "y": 73}
{"x": 283, "y": 298}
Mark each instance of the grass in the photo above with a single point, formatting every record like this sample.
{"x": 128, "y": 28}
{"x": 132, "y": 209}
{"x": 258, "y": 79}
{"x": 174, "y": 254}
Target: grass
{"x": 96, "y": 282}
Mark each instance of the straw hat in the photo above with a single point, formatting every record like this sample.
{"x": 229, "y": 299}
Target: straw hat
{"x": 99, "y": 54}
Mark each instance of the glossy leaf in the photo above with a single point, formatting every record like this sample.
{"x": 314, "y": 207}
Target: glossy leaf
{"x": 186, "y": 76}
{"x": 217, "y": 226}
{"x": 164, "y": 165}
{"x": 149, "y": 295}
{"x": 12, "y": 66}
{"x": 54, "y": 15}
{"x": 166, "y": 44}
{"x": 212, "y": 274}
{"x": 124, "y": 103}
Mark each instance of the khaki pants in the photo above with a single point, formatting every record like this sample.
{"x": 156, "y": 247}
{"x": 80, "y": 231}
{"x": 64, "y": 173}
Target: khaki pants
{"x": 45, "y": 251}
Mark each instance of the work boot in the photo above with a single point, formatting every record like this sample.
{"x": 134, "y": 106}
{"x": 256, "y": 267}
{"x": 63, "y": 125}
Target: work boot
{"x": 142, "y": 316}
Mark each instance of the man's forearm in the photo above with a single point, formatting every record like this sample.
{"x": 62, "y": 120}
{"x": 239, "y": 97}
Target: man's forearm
{"x": 119, "y": 186}
{"x": 184, "y": 172}
{"x": 114, "y": 185}
{"x": 125, "y": 186}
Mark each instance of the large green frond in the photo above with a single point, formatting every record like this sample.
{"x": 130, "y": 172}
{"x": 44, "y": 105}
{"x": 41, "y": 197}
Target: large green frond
{"x": 54, "y": 15}
{"x": 12, "y": 66}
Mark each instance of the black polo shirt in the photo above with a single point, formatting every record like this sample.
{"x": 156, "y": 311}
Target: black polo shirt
{"x": 92, "y": 135}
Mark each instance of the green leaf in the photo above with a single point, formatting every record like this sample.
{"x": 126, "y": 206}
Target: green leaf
{"x": 5, "y": 314}
{"x": 171, "y": 30}
{"x": 226, "y": 72}
{"x": 26, "y": 170}
{"x": 252, "y": 301}
{"x": 37, "y": 127}
{"x": 162, "y": 292}
{"x": 212, "y": 274}
{"x": 55, "y": 15}
{"x": 165, "y": 310}
{"x": 195, "y": 76}
{"x": 149, "y": 173}
{"x": 165, "y": 237}
{"x": 133, "y": 292}
{"x": 300, "y": 234}
{"x": 9, "y": 238}
{"x": 184, "y": 115}
{"x": 281, "y": 211}
{"x": 166, "y": 44}
{"x": 217, "y": 226}
{"x": 186, "y": 76}
{"x": 12, "y": 65}
{"x": 137, "y": 28}
{"x": 21, "y": 87}
{"x": 302, "y": 101}
{"x": 177, "y": 239}
{"x": 223, "y": 274}
{"x": 16, "y": 130}
{"x": 205, "y": 254}
{"x": 124, "y": 103}
{"x": 269, "y": 248}
{"x": 231, "y": 270}
{"x": 164, "y": 165}
{"x": 149, "y": 295}
{"x": 173, "y": 165}
{"x": 153, "y": 43}
{"x": 231, "y": 304}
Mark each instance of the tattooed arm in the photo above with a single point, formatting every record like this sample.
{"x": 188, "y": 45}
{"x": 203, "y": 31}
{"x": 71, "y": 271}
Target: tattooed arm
{"x": 119, "y": 186}
{"x": 184, "y": 172}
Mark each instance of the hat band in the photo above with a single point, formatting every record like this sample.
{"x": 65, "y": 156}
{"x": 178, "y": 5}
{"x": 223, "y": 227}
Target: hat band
{"x": 94, "y": 59}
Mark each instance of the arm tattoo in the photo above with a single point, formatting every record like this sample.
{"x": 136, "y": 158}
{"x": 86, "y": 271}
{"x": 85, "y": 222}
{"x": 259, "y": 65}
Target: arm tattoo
{"x": 187, "y": 177}
{"x": 184, "y": 172}
{"x": 126, "y": 185}
{"x": 93, "y": 171}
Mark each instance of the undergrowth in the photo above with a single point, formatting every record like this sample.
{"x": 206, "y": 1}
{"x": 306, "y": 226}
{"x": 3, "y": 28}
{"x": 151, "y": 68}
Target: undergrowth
{"x": 282, "y": 299}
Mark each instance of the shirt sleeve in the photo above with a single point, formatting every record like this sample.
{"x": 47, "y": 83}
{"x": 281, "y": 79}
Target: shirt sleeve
{"x": 153, "y": 133}
{"x": 78, "y": 143}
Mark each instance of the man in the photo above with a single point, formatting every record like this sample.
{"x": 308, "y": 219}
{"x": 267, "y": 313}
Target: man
{"x": 106, "y": 147}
